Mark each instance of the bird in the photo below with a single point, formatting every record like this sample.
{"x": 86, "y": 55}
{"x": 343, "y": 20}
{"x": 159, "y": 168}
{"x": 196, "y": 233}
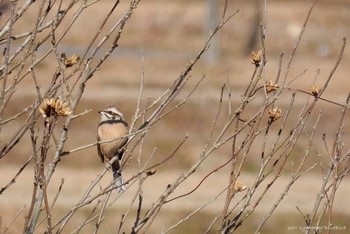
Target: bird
{"x": 113, "y": 126}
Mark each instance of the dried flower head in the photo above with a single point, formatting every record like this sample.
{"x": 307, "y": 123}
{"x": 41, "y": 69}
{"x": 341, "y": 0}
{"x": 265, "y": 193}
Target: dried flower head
{"x": 315, "y": 90}
{"x": 238, "y": 187}
{"x": 270, "y": 86}
{"x": 256, "y": 58}
{"x": 275, "y": 113}
{"x": 51, "y": 107}
{"x": 72, "y": 60}
{"x": 151, "y": 172}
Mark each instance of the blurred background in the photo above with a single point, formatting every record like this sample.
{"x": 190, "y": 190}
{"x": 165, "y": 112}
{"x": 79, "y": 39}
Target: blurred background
{"x": 158, "y": 42}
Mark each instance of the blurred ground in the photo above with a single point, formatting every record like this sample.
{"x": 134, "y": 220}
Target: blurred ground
{"x": 76, "y": 184}
{"x": 166, "y": 35}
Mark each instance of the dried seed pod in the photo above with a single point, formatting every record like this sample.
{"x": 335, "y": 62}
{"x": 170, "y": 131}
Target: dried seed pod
{"x": 238, "y": 187}
{"x": 71, "y": 61}
{"x": 151, "y": 172}
{"x": 275, "y": 114}
{"x": 256, "y": 58}
{"x": 270, "y": 86}
{"x": 315, "y": 90}
{"x": 50, "y": 107}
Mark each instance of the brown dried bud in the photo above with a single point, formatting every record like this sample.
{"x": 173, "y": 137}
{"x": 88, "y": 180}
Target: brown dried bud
{"x": 315, "y": 90}
{"x": 151, "y": 172}
{"x": 256, "y": 58}
{"x": 238, "y": 187}
{"x": 275, "y": 113}
{"x": 72, "y": 60}
{"x": 270, "y": 86}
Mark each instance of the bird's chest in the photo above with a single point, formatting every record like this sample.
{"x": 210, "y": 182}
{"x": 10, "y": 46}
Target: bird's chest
{"x": 112, "y": 131}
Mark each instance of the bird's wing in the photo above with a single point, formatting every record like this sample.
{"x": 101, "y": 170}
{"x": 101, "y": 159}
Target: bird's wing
{"x": 99, "y": 150}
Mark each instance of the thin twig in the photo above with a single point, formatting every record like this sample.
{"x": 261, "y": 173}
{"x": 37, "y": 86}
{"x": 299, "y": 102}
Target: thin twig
{"x": 13, "y": 180}
{"x": 13, "y": 219}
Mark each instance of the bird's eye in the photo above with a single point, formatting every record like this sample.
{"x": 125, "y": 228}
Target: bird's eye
{"x": 110, "y": 112}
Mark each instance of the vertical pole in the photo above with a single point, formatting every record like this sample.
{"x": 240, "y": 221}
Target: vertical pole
{"x": 214, "y": 50}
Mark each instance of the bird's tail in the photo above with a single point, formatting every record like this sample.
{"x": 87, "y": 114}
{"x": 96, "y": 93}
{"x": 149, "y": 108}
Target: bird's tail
{"x": 119, "y": 182}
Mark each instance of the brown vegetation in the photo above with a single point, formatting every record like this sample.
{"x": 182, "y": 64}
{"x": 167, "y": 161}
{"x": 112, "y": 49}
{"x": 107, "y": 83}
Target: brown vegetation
{"x": 201, "y": 130}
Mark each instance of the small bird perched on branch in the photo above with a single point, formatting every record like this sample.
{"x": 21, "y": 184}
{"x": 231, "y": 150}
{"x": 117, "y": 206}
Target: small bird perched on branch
{"x": 113, "y": 127}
